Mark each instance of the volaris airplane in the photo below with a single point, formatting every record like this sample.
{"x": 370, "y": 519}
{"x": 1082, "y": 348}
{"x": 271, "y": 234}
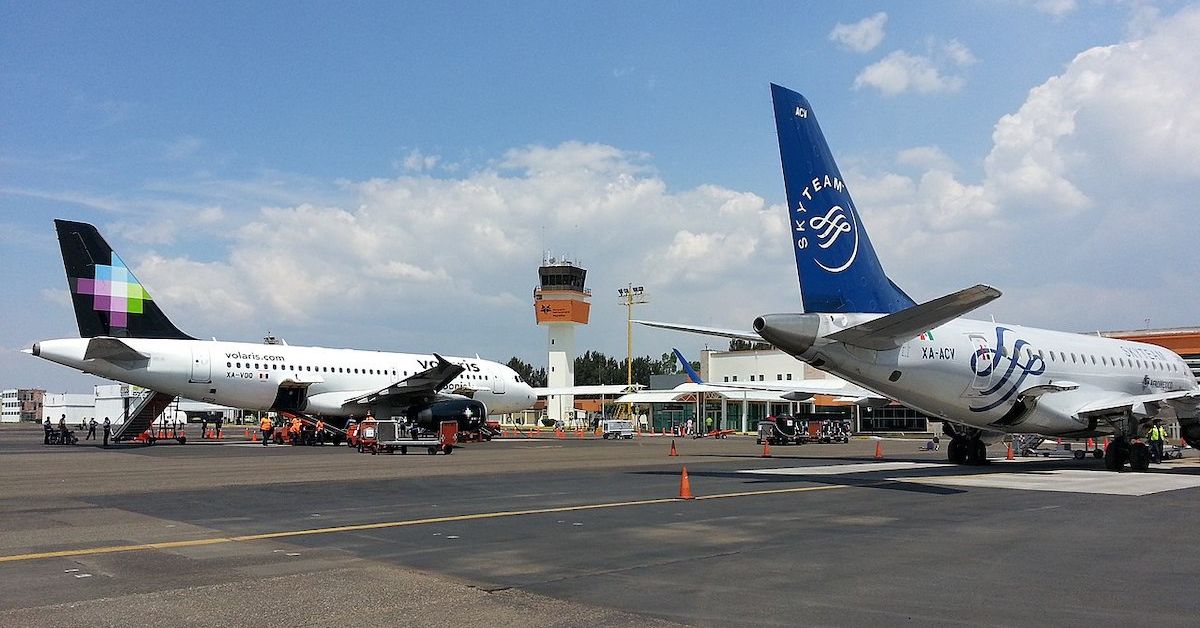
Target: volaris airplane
{"x": 982, "y": 378}
{"x": 126, "y": 337}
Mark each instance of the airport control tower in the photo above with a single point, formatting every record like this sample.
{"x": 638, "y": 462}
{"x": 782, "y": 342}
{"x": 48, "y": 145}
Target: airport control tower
{"x": 561, "y": 302}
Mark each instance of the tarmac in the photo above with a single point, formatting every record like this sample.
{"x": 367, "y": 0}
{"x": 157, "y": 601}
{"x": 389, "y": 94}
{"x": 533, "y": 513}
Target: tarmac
{"x": 574, "y": 532}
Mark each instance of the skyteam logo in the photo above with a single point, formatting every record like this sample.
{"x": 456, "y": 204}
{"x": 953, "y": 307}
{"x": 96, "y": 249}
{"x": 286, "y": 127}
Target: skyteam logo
{"x": 834, "y": 231}
{"x": 115, "y": 291}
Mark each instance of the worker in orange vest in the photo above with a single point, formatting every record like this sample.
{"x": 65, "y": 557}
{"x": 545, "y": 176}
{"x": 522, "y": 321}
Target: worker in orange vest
{"x": 320, "y": 434}
{"x": 294, "y": 432}
{"x": 264, "y": 424}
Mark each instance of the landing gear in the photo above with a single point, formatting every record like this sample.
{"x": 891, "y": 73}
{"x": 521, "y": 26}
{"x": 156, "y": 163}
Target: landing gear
{"x": 1116, "y": 454}
{"x": 963, "y": 450}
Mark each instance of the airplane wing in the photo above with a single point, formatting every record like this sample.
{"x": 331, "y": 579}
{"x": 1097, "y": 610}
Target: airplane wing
{"x": 891, "y": 331}
{"x": 802, "y": 390}
{"x": 1148, "y": 405}
{"x": 707, "y": 331}
{"x": 598, "y": 389}
{"x": 418, "y": 388}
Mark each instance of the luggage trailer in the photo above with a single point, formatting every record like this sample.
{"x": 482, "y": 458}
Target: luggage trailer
{"x": 388, "y": 437}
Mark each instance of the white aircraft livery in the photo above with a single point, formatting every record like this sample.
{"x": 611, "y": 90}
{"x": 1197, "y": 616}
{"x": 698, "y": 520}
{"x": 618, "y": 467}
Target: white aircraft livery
{"x": 125, "y": 337}
{"x": 983, "y": 378}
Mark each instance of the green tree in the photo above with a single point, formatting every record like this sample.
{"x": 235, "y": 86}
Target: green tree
{"x": 737, "y": 344}
{"x": 534, "y": 377}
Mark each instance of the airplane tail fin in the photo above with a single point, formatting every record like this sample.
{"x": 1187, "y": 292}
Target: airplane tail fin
{"x": 838, "y": 269}
{"x": 108, "y": 299}
{"x": 687, "y": 367}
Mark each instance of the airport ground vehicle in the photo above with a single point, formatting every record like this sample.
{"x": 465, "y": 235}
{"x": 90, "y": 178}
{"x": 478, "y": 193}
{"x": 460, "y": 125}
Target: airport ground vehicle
{"x": 1078, "y": 451}
{"x": 782, "y": 430}
{"x": 392, "y": 436}
{"x": 616, "y": 429}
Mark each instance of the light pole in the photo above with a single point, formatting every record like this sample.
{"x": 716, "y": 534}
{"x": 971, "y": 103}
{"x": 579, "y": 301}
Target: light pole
{"x": 630, "y": 295}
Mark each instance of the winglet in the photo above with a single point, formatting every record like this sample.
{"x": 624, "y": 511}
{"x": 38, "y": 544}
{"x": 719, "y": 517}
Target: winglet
{"x": 687, "y": 367}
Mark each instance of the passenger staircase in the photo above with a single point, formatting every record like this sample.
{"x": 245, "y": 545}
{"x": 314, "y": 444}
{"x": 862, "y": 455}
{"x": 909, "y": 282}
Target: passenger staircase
{"x": 148, "y": 407}
{"x": 1023, "y": 443}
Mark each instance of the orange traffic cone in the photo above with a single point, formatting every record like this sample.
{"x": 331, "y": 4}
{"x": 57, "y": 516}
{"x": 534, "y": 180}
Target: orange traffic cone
{"x": 879, "y": 450}
{"x": 685, "y": 487}
{"x": 1091, "y": 444}
{"x": 766, "y": 449}
{"x": 1009, "y": 455}
{"x": 673, "y": 451}
{"x": 254, "y": 437}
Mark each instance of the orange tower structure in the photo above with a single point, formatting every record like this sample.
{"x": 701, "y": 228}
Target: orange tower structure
{"x": 561, "y": 302}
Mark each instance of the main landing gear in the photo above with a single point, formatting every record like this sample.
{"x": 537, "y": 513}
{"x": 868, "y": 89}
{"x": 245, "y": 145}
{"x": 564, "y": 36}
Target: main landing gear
{"x": 966, "y": 446}
{"x": 1120, "y": 451}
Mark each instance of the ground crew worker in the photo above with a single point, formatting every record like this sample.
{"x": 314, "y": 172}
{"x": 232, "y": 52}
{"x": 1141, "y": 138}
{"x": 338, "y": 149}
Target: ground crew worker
{"x": 264, "y": 424}
{"x": 91, "y": 430}
{"x": 708, "y": 424}
{"x": 352, "y": 432}
{"x": 295, "y": 431}
{"x": 1158, "y": 435}
{"x": 320, "y": 434}
{"x": 217, "y": 425}
{"x": 48, "y": 428}
{"x": 107, "y": 430}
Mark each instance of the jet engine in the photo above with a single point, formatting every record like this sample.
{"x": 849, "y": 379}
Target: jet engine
{"x": 469, "y": 413}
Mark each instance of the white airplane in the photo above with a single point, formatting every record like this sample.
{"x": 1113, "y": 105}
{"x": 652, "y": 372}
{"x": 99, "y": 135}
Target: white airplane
{"x": 983, "y": 378}
{"x": 125, "y": 337}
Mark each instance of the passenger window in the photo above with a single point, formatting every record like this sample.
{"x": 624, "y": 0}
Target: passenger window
{"x": 1063, "y": 356}
{"x": 1093, "y": 359}
{"x": 789, "y": 377}
{"x": 1072, "y": 357}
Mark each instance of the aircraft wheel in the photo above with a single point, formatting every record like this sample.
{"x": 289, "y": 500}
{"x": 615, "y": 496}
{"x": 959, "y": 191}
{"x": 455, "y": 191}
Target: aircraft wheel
{"x": 956, "y": 451}
{"x": 1139, "y": 457}
{"x": 1114, "y": 458}
{"x": 976, "y": 452}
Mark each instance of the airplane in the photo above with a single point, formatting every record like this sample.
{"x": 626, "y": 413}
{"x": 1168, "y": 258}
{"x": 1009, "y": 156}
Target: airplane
{"x": 983, "y": 378}
{"x": 794, "y": 390}
{"x": 124, "y": 336}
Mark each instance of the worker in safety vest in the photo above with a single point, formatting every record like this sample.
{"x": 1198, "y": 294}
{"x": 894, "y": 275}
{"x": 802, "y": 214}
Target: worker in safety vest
{"x": 320, "y": 431}
{"x": 352, "y": 432}
{"x": 1158, "y": 436}
{"x": 294, "y": 431}
{"x": 265, "y": 425}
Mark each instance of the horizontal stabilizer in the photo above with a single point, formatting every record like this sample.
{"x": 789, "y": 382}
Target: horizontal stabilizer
{"x": 707, "y": 331}
{"x": 891, "y": 331}
{"x": 112, "y": 350}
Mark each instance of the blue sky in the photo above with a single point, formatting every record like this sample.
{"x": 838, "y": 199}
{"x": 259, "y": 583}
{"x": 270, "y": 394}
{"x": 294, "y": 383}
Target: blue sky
{"x": 388, "y": 176}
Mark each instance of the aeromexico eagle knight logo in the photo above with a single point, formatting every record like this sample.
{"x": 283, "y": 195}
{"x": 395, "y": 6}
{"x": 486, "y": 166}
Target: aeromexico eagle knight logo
{"x": 115, "y": 291}
{"x": 1002, "y": 370}
{"x": 833, "y": 230}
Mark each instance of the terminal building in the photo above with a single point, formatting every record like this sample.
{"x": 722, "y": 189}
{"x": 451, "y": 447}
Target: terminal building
{"x": 21, "y": 404}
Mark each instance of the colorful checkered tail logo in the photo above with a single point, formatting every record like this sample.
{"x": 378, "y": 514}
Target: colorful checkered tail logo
{"x": 108, "y": 299}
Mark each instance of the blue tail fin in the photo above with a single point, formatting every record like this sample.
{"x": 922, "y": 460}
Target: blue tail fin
{"x": 838, "y": 268}
{"x": 687, "y": 367}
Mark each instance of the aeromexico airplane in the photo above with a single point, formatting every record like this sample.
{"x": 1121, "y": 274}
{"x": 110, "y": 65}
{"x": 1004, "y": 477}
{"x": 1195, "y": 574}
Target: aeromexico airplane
{"x": 125, "y": 337}
{"x": 983, "y": 378}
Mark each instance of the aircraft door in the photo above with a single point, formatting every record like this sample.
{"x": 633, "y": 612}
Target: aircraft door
{"x": 201, "y": 368}
{"x": 498, "y": 384}
{"x": 982, "y": 356}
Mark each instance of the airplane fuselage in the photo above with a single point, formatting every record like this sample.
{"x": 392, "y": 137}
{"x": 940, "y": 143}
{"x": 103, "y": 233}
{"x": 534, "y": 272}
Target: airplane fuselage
{"x": 249, "y": 376}
{"x": 973, "y": 372}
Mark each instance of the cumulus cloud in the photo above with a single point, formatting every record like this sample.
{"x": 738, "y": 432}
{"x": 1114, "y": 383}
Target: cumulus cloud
{"x": 861, "y": 36}
{"x": 936, "y": 72}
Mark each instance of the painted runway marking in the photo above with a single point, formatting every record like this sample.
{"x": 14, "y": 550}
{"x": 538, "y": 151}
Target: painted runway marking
{"x": 112, "y": 549}
{"x": 1068, "y": 481}
{"x": 842, "y": 469}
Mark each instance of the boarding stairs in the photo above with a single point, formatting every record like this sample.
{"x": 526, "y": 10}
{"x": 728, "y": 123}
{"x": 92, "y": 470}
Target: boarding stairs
{"x": 312, "y": 421}
{"x": 1022, "y": 443}
{"x": 141, "y": 415}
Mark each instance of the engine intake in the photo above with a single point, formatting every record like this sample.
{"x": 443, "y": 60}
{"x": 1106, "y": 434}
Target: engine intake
{"x": 469, "y": 413}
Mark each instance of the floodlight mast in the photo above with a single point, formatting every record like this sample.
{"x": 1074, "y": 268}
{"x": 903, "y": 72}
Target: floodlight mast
{"x": 630, "y": 295}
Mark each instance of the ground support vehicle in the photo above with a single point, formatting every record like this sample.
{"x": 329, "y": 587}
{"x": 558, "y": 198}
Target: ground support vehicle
{"x": 391, "y": 436}
{"x": 781, "y": 430}
{"x": 1077, "y": 451}
{"x": 616, "y": 429}
{"x": 716, "y": 434}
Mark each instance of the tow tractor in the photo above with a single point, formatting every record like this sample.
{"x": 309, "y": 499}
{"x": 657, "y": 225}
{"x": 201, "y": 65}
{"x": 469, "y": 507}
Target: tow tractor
{"x": 390, "y": 436}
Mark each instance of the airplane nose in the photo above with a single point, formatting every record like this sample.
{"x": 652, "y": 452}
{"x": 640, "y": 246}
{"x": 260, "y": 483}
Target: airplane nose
{"x": 794, "y": 333}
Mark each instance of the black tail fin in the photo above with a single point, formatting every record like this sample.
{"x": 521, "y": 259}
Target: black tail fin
{"x": 108, "y": 299}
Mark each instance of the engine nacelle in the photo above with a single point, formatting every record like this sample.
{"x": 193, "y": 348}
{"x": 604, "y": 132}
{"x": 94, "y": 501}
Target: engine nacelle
{"x": 469, "y": 413}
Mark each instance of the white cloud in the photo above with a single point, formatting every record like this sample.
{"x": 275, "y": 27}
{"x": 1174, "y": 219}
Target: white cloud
{"x": 1055, "y": 8}
{"x": 416, "y": 161}
{"x": 900, "y": 72}
{"x": 861, "y": 36}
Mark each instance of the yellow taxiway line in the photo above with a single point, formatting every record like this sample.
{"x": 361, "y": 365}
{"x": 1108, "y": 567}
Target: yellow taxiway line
{"x": 112, "y": 549}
